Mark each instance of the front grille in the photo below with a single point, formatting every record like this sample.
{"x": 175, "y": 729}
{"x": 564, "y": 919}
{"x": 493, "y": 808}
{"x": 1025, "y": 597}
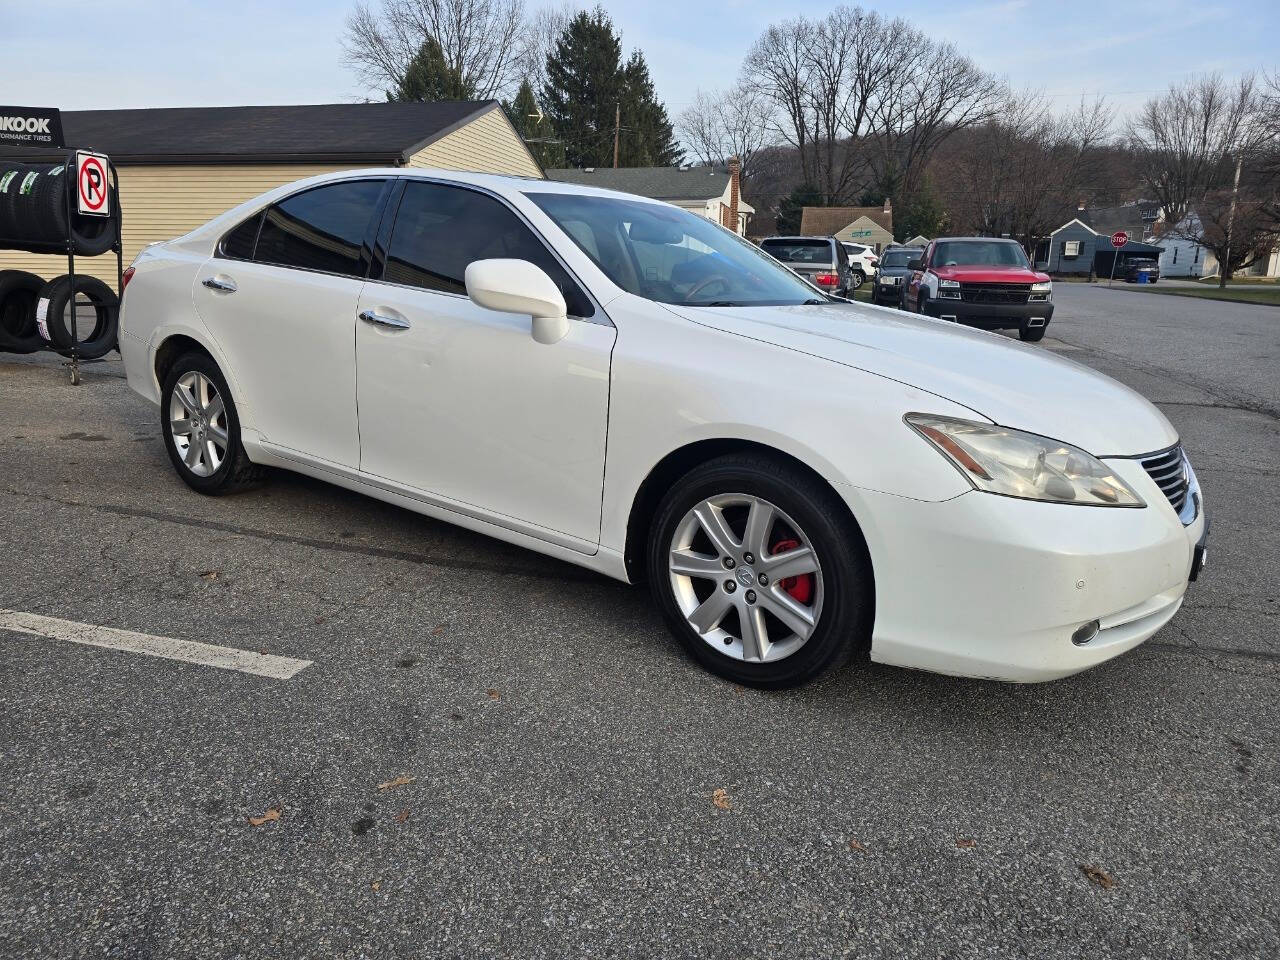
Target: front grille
{"x": 995, "y": 292}
{"x": 1168, "y": 469}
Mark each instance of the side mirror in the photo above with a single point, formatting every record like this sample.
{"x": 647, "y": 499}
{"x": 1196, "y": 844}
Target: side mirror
{"x": 916, "y": 264}
{"x": 518, "y": 286}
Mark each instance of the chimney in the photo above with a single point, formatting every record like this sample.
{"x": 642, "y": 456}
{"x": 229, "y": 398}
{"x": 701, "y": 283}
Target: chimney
{"x": 1080, "y": 207}
{"x": 735, "y": 184}
{"x": 888, "y": 207}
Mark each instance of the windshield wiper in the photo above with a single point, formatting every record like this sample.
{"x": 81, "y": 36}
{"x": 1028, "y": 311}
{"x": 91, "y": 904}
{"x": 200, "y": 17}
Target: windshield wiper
{"x": 719, "y": 303}
{"x": 815, "y": 303}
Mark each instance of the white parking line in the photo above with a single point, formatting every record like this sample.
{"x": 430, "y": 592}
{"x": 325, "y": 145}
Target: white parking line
{"x": 188, "y": 651}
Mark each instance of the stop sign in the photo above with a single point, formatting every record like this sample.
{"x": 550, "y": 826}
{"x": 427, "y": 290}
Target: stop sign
{"x": 1119, "y": 239}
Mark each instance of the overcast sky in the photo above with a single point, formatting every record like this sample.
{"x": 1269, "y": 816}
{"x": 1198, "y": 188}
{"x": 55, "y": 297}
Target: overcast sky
{"x": 140, "y": 53}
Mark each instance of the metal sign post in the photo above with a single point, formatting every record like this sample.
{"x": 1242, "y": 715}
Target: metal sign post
{"x": 1118, "y": 240}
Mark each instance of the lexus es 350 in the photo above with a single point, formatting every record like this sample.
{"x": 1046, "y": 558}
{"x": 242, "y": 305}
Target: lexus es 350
{"x": 629, "y": 387}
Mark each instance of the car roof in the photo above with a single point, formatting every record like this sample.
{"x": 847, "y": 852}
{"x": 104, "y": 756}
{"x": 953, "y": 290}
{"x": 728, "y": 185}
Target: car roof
{"x": 976, "y": 240}
{"x": 824, "y": 239}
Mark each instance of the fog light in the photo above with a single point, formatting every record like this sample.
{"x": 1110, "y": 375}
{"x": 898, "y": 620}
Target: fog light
{"x": 1085, "y": 633}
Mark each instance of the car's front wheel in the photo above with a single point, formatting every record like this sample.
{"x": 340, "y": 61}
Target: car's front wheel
{"x": 759, "y": 572}
{"x": 201, "y": 429}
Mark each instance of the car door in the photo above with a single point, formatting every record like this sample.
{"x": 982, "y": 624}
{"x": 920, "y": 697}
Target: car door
{"x": 912, "y": 296}
{"x": 461, "y": 402}
{"x": 284, "y": 314}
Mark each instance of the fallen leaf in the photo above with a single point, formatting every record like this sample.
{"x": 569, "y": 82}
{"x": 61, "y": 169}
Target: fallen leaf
{"x": 403, "y": 815}
{"x": 399, "y": 781}
{"x": 966, "y": 843}
{"x": 377, "y": 885}
{"x": 1098, "y": 876}
{"x": 273, "y": 813}
{"x": 856, "y": 847}
{"x": 209, "y": 575}
{"x": 720, "y": 797}
{"x": 437, "y": 631}
{"x": 493, "y": 694}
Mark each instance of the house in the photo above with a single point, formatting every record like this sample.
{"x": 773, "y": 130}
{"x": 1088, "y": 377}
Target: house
{"x": 916, "y": 241}
{"x": 1082, "y": 245}
{"x": 870, "y": 226}
{"x": 180, "y": 167}
{"x": 1184, "y": 257}
{"x": 712, "y": 192}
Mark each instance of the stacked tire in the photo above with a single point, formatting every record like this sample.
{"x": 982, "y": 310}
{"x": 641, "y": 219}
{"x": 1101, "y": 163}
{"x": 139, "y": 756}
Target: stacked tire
{"x": 34, "y": 313}
{"x": 33, "y": 213}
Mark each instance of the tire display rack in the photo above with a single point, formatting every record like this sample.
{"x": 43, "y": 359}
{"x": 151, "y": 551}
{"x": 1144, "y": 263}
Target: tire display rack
{"x": 67, "y": 245}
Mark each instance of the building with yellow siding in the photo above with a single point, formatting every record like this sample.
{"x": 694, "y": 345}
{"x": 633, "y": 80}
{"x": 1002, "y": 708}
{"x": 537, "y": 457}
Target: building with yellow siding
{"x": 180, "y": 167}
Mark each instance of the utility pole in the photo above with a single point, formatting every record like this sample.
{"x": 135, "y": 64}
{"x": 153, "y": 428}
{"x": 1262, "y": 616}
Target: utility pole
{"x": 1231, "y": 222}
{"x": 617, "y": 125}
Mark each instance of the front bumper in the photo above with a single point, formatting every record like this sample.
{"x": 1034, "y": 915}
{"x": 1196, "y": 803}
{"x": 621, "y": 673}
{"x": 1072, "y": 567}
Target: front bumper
{"x": 993, "y": 316}
{"x": 989, "y": 586}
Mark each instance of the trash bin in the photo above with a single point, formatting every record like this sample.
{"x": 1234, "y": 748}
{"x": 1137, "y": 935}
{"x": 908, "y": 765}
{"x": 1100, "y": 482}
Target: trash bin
{"x": 1143, "y": 276}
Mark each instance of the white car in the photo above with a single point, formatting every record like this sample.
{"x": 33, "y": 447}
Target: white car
{"x": 629, "y": 387}
{"x": 862, "y": 261}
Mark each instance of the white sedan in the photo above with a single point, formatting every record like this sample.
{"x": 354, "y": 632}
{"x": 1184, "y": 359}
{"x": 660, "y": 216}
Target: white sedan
{"x": 629, "y": 387}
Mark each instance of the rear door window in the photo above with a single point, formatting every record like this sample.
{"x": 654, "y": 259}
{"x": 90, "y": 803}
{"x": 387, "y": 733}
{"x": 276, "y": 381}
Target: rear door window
{"x": 440, "y": 230}
{"x": 320, "y": 229}
{"x": 799, "y": 251}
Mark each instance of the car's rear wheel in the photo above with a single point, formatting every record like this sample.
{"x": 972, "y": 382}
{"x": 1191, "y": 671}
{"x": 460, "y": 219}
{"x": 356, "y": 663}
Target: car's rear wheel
{"x": 857, "y": 280}
{"x": 759, "y": 573}
{"x": 201, "y": 429}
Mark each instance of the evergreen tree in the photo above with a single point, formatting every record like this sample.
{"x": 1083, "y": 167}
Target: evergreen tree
{"x": 535, "y": 128}
{"x": 791, "y": 209}
{"x": 587, "y": 85}
{"x": 429, "y": 78}
{"x": 648, "y": 140}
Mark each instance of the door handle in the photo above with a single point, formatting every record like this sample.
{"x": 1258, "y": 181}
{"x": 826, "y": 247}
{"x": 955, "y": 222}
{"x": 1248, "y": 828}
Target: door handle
{"x": 214, "y": 283}
{"x": 372, "y": 316}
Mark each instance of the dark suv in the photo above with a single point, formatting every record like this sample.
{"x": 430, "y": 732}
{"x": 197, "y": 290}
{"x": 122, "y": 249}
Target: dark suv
{"x": 820, "y": 260}
{"x": 1132, "y": 270}
{"x": 892, "y": 275}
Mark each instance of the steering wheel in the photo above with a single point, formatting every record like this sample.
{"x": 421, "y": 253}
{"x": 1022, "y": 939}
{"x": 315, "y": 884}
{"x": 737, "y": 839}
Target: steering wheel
{"x": 705, "y": 282}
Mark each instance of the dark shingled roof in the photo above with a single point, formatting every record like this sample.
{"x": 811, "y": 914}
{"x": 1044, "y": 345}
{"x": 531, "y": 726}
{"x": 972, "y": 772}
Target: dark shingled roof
{"x": 364, "y": 133}
{"x": 657, "y": 183}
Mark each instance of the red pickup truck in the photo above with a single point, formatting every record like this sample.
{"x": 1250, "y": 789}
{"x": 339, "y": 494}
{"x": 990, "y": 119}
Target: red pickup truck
{"x": 982, "y": 281}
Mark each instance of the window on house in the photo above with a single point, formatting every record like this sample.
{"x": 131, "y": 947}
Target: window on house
{"x": 1071, "y": 248}
{"x": 1175, "y": 254}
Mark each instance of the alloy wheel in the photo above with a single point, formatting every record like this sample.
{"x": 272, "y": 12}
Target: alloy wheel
{"x": 198, "y": 423}
{"x": 746, "y": 577}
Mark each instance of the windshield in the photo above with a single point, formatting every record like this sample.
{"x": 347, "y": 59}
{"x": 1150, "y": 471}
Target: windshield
{"x": 672, "y": 256}
{"x": 898, "y": 258}
{"x": 798, "y": 251}
{"x": 989, "y": 253}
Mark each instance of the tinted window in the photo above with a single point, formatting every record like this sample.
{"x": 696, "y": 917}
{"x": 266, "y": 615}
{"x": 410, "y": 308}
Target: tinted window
{"x": 320, "y": 229}
{"x": 798, "y": 251}
{"x": 899, "y": 258}
{"x": 439, "y": 230}
{"x": 238, "y": 244}
{"x": 990, "y": 253}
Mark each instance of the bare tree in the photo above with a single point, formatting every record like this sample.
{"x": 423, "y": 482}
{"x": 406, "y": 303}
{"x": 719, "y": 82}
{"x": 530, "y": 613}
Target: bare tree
{"x": 930, "y": 93}
{"x": 737, "y": 123}
{"x": 544, "y": 28}
{"x": 778, "y": 66}
{"x": 1188, "y": 137}
{"x": 483, "y": 40}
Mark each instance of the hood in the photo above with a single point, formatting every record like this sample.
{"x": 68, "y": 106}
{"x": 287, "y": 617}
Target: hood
{"x": 1010, "y": 383}
{"x": 987, "y": 274}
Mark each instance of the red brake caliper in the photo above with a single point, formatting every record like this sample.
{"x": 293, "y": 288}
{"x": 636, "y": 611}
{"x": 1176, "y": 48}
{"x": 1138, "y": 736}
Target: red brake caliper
{"x": 801, "y": 587}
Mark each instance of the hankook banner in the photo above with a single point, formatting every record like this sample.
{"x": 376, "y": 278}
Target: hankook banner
{"x": 31, "y": 127}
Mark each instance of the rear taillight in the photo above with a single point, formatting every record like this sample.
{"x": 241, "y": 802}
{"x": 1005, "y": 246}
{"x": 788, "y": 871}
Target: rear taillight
{"x": 124, "y": 280}
{"x": 826, "y": 279}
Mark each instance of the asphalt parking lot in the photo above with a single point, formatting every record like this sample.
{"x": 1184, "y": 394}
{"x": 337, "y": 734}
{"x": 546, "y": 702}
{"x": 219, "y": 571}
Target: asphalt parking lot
{"x": 490, "y": 754}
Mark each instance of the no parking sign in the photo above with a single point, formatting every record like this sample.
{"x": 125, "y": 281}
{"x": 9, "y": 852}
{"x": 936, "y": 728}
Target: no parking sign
{"x": 92, "y": 194}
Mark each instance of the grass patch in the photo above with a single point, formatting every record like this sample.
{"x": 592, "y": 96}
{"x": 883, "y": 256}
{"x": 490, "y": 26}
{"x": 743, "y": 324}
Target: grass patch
{"x": 1261, "y": 281}
{"x": 1265, "y": 295}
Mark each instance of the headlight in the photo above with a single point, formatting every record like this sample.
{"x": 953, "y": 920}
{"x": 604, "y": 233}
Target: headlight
{"x": 948, "y": 283}
{"x": 1041, "y": 287}
{"x": 1017, "y": 464}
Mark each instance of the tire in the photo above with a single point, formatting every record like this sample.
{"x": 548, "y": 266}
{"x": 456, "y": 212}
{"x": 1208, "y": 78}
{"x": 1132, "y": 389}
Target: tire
{"x": 836, "y": 601}
{"x": 1032, "y": 334}
{"x": 55, "y": 297}
{"x": 19, "y": 292}
{"x": 40, "y": 215}
{"x": 209, "y": 475}
{"x": 857, "y": 280}
{"x": 11, "y": 175}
